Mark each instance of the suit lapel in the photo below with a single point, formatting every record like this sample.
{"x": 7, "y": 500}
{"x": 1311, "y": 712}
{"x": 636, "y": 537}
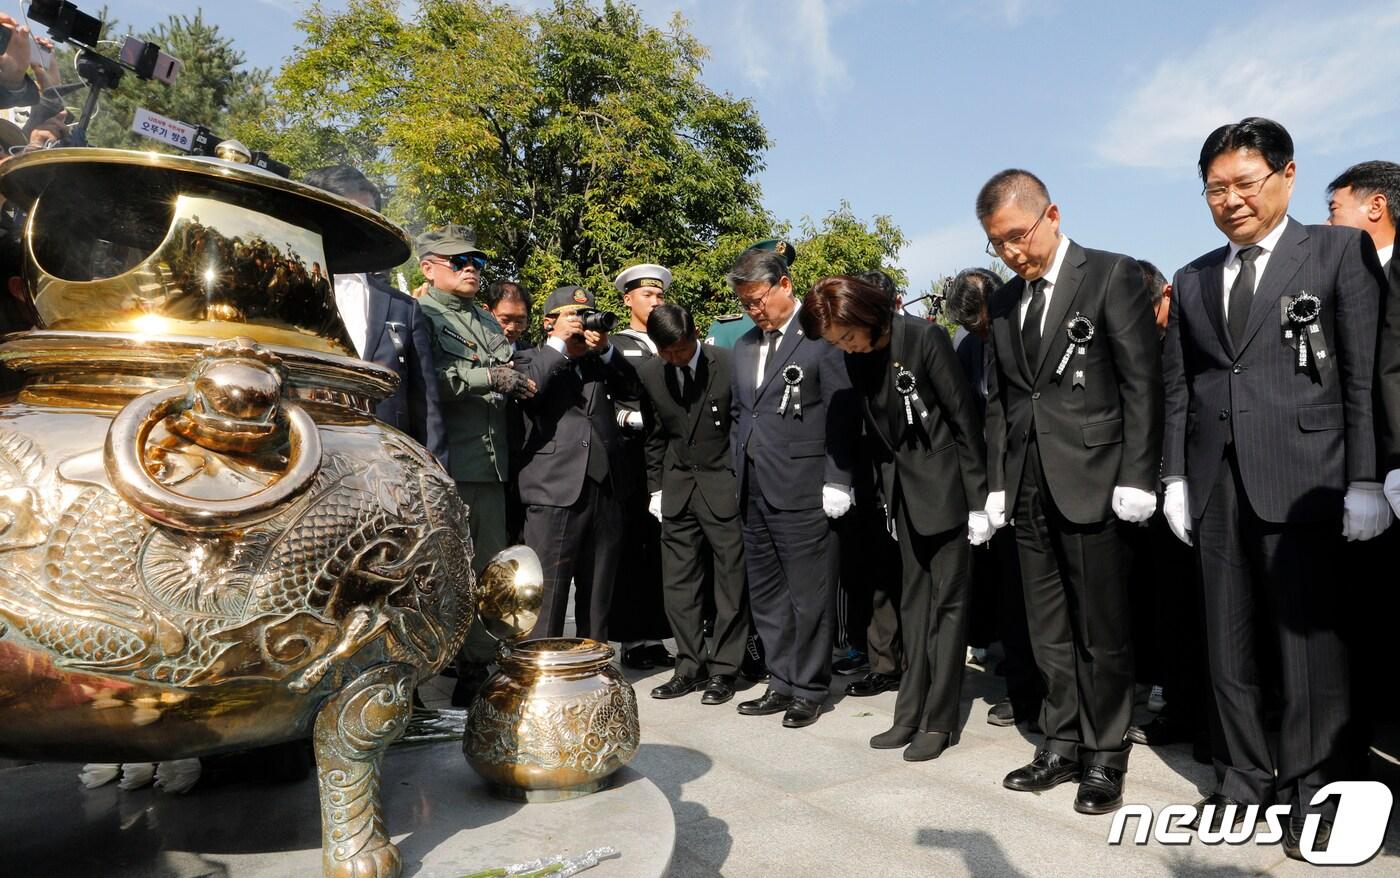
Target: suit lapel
{"x": 1212, "y": 286}
{"x": 1067, "y": 284}
{"x": 377, "y": 316}
{"x": 899, "y": 354}
{"x": 704, "y": 379}
{"x": 1284, "y": 263}
{"x": 1015, "y": 289}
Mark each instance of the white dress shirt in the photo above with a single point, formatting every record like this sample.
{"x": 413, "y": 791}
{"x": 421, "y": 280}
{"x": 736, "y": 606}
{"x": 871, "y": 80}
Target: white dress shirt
{"x": 1267, "y": 245}
{"x": 763, "y": 344}
{"x": 352, "y": 300}
{"x": 1050, "y": 275}
{"x": 1384, "y": 254}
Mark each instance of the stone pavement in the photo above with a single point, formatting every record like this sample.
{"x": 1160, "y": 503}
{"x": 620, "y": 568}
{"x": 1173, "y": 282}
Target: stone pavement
{"x": 752, "y": 798}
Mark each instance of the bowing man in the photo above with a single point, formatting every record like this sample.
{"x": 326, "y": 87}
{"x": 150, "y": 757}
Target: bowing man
{"x": 926, "y": 439}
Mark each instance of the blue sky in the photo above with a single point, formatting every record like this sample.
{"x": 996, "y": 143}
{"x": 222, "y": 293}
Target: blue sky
{"x": 905, "y": 107}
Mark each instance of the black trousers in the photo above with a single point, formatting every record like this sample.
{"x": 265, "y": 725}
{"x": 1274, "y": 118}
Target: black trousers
{"x": 870, "y": 582}
{"x": 578, "y": 543}
{"x": 791, "y": 560}
{"x": 933, "y": 608}
{"x": 1278, "y": 583}
{"x": 687, "y": 540}
{"x": 1001, "y": 566}
{"x": 1080, "y": 624}
{"x": 638, "y": 611}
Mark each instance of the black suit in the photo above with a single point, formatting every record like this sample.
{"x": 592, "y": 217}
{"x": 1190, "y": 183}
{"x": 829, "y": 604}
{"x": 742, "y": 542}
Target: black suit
{"x": 397, "y": 338}
{"x": 1058, "y": 446}
{"x": 1267, "y": 450}
{"x": 932, "y": 472}
{"x": 783, "y": 460}
{"x": 638, "y": 611}
{"x": 572, "y": 517}
{"x": 689, "y": 462}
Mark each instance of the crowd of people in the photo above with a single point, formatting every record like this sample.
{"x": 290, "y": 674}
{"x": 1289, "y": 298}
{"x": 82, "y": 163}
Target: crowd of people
{"x": 1133, "y": 484}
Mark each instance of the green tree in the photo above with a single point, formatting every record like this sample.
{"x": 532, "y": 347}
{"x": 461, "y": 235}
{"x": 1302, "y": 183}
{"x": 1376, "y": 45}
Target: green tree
{"x": 214, "y": 88}
{"x": 575, "y": 139}
{"x": 844, "y": 244}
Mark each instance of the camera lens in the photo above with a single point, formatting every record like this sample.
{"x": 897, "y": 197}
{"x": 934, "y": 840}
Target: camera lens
{"x": 599, "y": 321}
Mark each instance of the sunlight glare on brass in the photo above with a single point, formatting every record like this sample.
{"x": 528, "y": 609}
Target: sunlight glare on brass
{"x": 512, "y": 592}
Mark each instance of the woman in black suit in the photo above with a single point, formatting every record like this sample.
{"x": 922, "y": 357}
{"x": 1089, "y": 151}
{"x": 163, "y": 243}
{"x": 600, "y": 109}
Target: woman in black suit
{"x": 926, "y": 439}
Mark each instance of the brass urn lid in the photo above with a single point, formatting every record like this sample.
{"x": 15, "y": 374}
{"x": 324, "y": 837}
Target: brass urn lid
{"x": 163, "y": 246}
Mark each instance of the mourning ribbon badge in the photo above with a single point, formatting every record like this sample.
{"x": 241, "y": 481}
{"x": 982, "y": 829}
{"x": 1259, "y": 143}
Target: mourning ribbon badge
{"x": 908, "y": 390}
{"x": 1080, "y": 331}
{"x": 1302, "y": 331}
{"x": 792, "y": 390}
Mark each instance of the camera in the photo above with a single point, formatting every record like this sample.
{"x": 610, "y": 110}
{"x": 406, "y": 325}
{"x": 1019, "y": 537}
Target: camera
{"x": 597, "y": 321}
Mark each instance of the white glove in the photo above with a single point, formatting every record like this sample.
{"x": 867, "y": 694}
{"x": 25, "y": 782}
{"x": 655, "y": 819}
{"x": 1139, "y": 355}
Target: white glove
{"x": 979, "y": 528}
{"x": 836, "y": 500}
{"x": 629, "y": 420}
{"x": 1174, "y": 508}
{"x": 1392, "y": 489}
{"x": 1365, "y": 513}
{"x": 654, "y": 507}
{"x": 1133, "y": 505}
{"x": 996, "y": 509}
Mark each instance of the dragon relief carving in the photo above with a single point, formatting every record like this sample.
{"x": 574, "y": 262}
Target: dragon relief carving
{"x": 376, "y": 549}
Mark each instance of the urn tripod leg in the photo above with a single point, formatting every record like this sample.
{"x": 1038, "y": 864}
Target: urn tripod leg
{"x": 353, "y": 729}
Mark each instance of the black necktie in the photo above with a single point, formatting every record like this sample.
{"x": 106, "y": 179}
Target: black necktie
{"x": 1030, "y": 329}
{"x": 773, "y": 336}
{"x": 1242, "y": 294}
{"x": 685, "y": 379}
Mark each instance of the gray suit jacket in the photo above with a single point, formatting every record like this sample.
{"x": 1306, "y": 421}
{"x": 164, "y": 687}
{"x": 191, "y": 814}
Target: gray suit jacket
{"x": 1300, "y": 434}
{"x": 793, "y": 455}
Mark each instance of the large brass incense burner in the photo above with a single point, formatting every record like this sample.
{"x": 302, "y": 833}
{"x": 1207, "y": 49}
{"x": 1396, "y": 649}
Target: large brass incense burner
{"x": 206, "y": 541}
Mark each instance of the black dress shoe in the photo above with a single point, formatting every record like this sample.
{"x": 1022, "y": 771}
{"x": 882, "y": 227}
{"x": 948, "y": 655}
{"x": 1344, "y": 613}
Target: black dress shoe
{"x": 660, "y": 656}
{"x": 802, "y": 712}
{"x": 769, "y": 702}
{"x": 1100, "y": 791}
{"x": 1293, "y": 837}
{"x": 1002, "y": 713}
{"x": 677, "y": 686}
{"x": 893, "y": 739}
{"x": 1161, "y": 732}
{"x": 637, "y": 658}
{"x": 1046, "y": 771}
{"x": 1218, "y": 803}
{"x": 872, "y": 683}
{"x": 719, "y": 689}
{"x": 926, "y": 746}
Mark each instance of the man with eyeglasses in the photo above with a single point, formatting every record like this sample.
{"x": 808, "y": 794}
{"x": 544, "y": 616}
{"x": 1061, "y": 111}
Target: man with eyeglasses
{"x": 792, "y": 437}
{"x": 1074, "y": 427}
{"x": 1270, "y": 462}
{"x": 472, "y": 359}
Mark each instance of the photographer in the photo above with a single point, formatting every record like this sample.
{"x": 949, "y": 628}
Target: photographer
{"x": 573, "y": 454}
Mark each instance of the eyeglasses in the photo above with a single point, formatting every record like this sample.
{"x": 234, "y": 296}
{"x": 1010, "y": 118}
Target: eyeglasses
{"x": 757, "y": 304}
{"x": 1245, "y": 189}
{"x": 460, "y": 261}
{"x": 994, "y": 248}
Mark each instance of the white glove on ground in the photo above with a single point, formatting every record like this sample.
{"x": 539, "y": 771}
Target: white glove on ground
{"x": 996, "y": 509}
{"x": 836, "y": 500}
{"x": 979, "y": 528}
{"x": 654, "y": 507}
{"x": 1133, "y": 505}
{"x": 1365, "y": 512}
{"x": 1174, "y": 508}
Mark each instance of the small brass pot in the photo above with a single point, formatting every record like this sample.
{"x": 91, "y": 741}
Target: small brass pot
{"x": 554, "y": 723}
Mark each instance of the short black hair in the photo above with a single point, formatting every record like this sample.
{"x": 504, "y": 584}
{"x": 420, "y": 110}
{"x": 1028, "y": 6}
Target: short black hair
{"x": 503, "y": 290}
{"x": 1264, "y": 136}
{"x": 343, "y": 180}
{"x": 757, "y": 267}
{"x": 967, "y": 296}
{"x": 1153, "y": 282}
{"x": 669, "y": 323}
{"x": 878, "y": 278}
{"x": 1012, "y": 183}
{"x": 1372, "y": 178}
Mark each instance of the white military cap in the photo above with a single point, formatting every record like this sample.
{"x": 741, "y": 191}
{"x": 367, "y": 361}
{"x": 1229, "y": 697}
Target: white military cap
{"x": 643, "y": 276}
